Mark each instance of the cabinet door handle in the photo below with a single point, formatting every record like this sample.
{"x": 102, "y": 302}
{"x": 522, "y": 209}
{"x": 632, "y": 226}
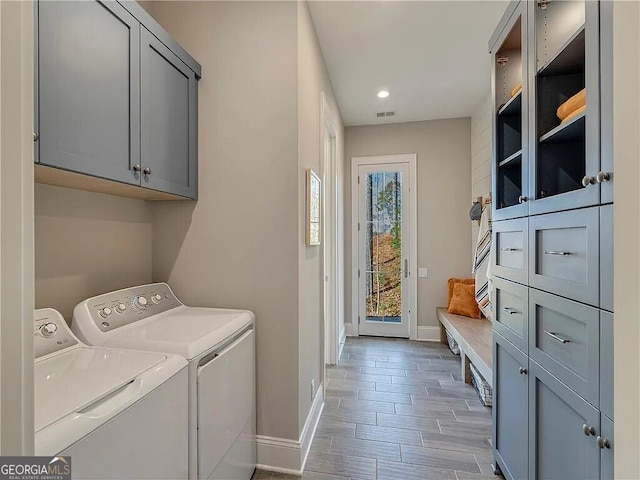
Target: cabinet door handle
{"x": 36, "y": 137}
{"x": 147, "y": 171}
{"x": 603, "y": 442}
{"x": 509, "y": 310}
{"x": 588, "y": 430}
{"x": 522, "y": 199}
{"x": 522, "y": 370}
{"x": 556, "y": 337}
{"x": 510, "y": 249}
{"x": 587, "y": 180}
{"x": 555, "y": 252}
{"x": 136, "y": 168}
{"x": 602, "y": 177}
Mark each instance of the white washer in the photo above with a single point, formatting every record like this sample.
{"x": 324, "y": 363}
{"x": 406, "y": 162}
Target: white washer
{"x": 219, "y": 345}
{"x": 119, "y": 414}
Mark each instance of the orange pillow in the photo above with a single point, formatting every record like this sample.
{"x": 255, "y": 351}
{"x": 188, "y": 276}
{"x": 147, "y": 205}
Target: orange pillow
{"x": 463, "y": 301}
{"x": 453, "y": 281}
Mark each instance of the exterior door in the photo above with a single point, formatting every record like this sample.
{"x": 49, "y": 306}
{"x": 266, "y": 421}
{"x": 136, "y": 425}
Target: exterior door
{"x": 383, "y": 249}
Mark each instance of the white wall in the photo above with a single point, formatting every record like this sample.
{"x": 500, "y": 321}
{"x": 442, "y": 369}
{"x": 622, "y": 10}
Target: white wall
{"x": 238, "y": 245}
{"x": 313, "y": 81}
{"x": 481, "y": 145}
{"x": 443, "y": 148}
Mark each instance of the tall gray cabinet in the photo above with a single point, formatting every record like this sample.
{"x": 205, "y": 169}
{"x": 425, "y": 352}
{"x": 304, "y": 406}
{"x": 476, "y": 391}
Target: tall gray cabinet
{"x": 553, "y": 242}
{"x": 116, "y": 100}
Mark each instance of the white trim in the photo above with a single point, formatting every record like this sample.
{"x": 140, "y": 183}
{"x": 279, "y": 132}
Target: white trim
{"x": 16, "y": 214}
{"x": 412, "y": 160}
{"x": 350, "y": 330}
{"x": 290, "y": 456}
{"x": 428, "y": 334}
{"x": 343, "y": 339}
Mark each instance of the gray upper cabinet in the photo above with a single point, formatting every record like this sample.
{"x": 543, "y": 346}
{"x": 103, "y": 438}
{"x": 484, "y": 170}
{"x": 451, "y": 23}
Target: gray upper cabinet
{"x": 89, "y": 89}
{"x": 116, "y": 100}
{"x": 169, "y": 119}
{"x": 510, "y": 117}
{"x": 605, "y": 176}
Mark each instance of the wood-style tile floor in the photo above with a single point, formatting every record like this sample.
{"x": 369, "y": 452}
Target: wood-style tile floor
{"x": 397, "y": 409}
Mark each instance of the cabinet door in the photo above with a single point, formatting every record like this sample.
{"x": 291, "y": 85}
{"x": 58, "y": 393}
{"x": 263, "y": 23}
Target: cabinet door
{"x": 606, "y": 101}
{"x": 606, "y": 257}
{"x": 88, "y": 88}
{"x": 606, "y": 363}
{"x": 605, "y": 442}
{"x": 510, "y": 423}
{"x": 169, "y": 119}
{"x": 510, "y": 118}
{"x": 558, "y": 445}
{"x": 511, "y": 312}
{"x": 565, "y": 153}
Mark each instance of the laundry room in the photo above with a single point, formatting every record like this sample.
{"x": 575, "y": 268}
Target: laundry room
{"x": 327, "y": 240}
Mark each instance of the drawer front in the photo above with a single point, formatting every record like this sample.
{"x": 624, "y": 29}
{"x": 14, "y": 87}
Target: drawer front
{"x": 511, "y": 312}
{"x": 511, "y": 242}
{"x": 565, "y": 254}
{"x": 564, "y": 337}
{"x": 606, "y": 257}
{"x": 558, "y": 446}
{"x": 606, "y": 363}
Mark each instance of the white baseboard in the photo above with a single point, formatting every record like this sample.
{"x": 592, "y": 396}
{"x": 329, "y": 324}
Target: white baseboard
{"x": 428, "y": 334}
{"x": 289, "y": 456}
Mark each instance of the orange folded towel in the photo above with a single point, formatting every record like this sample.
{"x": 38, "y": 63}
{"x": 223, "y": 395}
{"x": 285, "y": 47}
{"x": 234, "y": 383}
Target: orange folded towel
{"x": 574, "y": 103}
{"x": 574, "y": 114}
{"x": 516, "y": 89}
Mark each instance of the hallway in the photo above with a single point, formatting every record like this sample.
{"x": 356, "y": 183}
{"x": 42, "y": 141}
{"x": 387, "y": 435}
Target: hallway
{"x": 396, "y": 409}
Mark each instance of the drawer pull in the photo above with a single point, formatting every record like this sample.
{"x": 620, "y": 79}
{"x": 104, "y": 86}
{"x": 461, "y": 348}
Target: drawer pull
{"x": 510, "y": 249}
{"x": 522, "y": 370}
{"x": 556, "y": 337}
{"x": 509, "y": 310}
{"x": 554, "y": 252}
{"x": 588, "y": 430}
{"x": 603, "y": 442}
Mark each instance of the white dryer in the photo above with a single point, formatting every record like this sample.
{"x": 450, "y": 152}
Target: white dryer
{"x": 119, "y": 414}
{"x": 219, "y": 345}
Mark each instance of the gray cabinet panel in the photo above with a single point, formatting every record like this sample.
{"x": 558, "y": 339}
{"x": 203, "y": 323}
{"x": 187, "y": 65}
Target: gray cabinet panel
{"x": 606, "y": 99}
{"x": 558, "y": 446}
{"x": 511, "y": 246}
{"x": 564, "y": 338}
{"x": 565, "y": 254}
{"x": 606, "y": 257}
{"x": 606, "y": 446}
{"x": 511, "y": 312}
{"x": 168, "y": 119}
{"x": 510, "y": 408}
{"x": 606, "y": 363}
{"x": 88, "y": 88}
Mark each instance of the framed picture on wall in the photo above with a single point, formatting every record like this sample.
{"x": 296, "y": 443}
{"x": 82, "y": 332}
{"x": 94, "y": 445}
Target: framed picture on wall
{"x": 313, "y": 208}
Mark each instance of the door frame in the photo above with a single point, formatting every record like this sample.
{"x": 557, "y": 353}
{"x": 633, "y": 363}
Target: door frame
{"x": 330, "y": 246}
{"x": 356, "y": 162}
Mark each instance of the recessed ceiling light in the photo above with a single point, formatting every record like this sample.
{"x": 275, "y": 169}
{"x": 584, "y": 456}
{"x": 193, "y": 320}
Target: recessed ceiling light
{"x": 383, "y": 94}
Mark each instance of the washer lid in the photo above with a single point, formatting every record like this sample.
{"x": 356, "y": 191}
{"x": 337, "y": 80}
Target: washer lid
{"x": 186, "y": 331}
{"x": 77, "y": 377}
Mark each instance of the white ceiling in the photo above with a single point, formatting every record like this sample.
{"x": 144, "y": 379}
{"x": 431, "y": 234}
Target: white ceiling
{"x": 432, "y": 56}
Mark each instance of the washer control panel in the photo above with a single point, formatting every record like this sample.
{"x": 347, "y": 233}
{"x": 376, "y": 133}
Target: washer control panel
{"x": 51, "y": 332}
{"x": 116, "y": 309}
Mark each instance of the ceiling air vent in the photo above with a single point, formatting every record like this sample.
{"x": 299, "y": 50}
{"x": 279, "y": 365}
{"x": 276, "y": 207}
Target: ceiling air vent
{"x": 385, "y": 114}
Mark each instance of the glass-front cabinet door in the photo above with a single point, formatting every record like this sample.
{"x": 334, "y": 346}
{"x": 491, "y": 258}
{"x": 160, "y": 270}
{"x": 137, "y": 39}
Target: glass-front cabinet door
{"x": 510, "y": 90}
{"x": 565, "y": 100}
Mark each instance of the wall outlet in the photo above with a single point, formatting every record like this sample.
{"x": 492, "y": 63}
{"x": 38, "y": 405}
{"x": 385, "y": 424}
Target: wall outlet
{"x": 313, "y": 387}
{"x": 423, "y": 273}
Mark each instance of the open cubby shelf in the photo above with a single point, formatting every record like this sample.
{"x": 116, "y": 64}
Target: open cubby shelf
{"x": 514, "y": 159}
{"x": 569, "y": 59}
{"x": 513, "y": 105}
{"x": 571, "y": 131}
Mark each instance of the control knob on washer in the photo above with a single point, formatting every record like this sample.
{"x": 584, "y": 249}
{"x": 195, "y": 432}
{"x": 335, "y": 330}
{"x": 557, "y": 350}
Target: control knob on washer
{"x": 156, "y": 298}
{"x": 121, "y": 307}
{"x": 105, "y": 312}
{"x": 48, "y": 330}
{"x": 140, "y": 302}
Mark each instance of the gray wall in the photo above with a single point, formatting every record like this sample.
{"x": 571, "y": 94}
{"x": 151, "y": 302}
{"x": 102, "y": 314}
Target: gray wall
{"x": 443, "y": 148}
{"x": 238, "y": 245}
{"x": 86, "y": 244}
{"x": 313, "y": 79}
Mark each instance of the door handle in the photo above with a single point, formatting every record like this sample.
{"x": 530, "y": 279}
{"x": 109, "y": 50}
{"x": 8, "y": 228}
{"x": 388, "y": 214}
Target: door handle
{"x": 509, "y": 310}
{"x": 556, "y": 337}
{"x": 553, "y": 252}
{"x": 406, "y": 268}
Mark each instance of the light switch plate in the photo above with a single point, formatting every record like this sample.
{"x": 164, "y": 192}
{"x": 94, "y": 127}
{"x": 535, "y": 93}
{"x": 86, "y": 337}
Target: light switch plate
{"x": 423, "y": 273}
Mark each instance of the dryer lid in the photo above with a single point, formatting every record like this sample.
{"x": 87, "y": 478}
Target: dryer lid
{"x": 75, "y": 379}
